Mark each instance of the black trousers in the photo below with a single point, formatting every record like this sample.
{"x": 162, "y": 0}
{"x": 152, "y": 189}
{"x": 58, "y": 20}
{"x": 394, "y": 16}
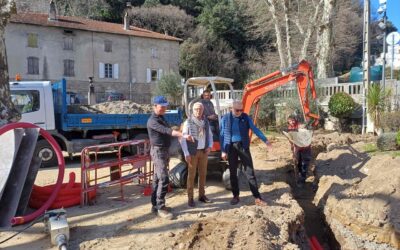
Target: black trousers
{"x": 160, "y": 158}
{"x": 236, "y": 152}
{"x": 303, "y": 158}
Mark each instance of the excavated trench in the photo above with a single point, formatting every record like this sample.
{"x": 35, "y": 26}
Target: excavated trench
{"x": 314, "y": 223}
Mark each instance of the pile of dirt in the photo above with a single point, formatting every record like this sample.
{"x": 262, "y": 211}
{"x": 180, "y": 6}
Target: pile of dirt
{"x": 249, "y": 227}
{"x": 360, "y": 197}
{"x": 323, "y": 141}
{"x": 115, "y": 107}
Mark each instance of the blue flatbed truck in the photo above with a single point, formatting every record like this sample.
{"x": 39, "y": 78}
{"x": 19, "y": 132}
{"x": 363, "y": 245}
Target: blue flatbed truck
{"x": 45, "y": 104}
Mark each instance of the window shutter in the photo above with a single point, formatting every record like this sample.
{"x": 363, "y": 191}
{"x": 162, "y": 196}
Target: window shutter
{"x": 116, "y": 71}
{"x": 160, "y": 73}
{"x": 148, "y": 75}
{"x": 101, "y": 70}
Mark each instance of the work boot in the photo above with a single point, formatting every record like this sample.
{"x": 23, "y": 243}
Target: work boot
{"x": 164, "y": 213}
{"x": 260, "y": 202}
{"x": 204, "y": 199}
{"x": 235, "y": 200}
{"x": 191, "y": 202}
{"x": 154, "y": 209}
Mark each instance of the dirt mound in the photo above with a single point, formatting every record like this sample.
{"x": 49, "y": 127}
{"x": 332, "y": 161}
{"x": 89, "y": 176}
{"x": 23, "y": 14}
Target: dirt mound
{"x": 115, "y": 107}
{"x": 360, "y": 197}
{"x": 323, "y": 141}
{"x": 278, "y": 226}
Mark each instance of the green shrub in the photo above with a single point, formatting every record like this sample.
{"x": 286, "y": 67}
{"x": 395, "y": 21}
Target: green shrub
{"x": 377, "y": 101}
{"x": 170, "y": 86}
{"x": 341, "y": 105}
{"x": 387, "y": 141}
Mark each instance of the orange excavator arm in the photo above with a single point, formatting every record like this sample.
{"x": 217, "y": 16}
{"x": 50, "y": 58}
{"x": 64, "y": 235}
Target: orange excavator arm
{"x": 300, "y": 73}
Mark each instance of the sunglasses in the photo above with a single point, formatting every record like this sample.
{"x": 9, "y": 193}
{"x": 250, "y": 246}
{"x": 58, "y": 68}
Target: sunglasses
{"x": 238, "y": 110}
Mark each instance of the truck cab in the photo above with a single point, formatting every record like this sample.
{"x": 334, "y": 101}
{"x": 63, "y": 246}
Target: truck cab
{"x": 34, "y": 101}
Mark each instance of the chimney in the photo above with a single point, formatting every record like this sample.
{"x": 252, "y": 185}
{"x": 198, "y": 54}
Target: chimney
{"x": 126, "y": 21}
{"x": 52, "y": 11}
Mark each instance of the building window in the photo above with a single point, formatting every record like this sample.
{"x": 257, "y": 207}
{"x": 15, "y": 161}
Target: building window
{"x": 154, "y": 53}
{"x": 153, "y": 75}
{"x": 33, "y": 65}
{"x": 32, "y": 40}
{"x": 68, "y": 43}
{"x": 69, "y": 68}
{"x": 108, "y": 70}
{"x": 108, "y": 46}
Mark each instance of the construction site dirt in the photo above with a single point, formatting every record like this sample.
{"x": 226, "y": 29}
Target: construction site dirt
{"x": 342, "y": 205}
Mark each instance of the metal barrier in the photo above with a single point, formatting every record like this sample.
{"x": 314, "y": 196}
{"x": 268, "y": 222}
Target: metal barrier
{"x": 122, "y": 170}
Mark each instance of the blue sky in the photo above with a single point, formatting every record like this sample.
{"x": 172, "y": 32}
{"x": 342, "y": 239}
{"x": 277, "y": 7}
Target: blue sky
{"x": 392, "y": 12}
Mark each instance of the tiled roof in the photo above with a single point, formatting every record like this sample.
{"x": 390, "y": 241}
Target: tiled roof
{"x": 80, "y": 23}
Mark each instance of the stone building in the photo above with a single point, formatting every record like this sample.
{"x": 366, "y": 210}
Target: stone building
{"x": 118, "y": 57}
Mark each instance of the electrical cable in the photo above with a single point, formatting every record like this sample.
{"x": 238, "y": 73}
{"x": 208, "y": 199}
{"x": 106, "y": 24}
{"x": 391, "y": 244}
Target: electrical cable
{"x": 31, "y": 224}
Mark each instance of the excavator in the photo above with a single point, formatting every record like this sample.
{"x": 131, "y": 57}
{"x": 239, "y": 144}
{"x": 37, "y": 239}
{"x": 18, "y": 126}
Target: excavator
{"x": 300, "y": 73}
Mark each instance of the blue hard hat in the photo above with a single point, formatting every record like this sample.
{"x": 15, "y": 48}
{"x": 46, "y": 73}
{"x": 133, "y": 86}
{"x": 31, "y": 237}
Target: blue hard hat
{"x": 160, "y": 100}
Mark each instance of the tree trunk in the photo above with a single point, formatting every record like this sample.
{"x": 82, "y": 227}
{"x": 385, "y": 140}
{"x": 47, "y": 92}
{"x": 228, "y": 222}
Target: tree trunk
{"x": 278, "y": 32}
{"x": 285, "y": 5}
{"x": 325, "y": 41}
{"x": 7, "y": 111}
{"x": 310, "y": 30}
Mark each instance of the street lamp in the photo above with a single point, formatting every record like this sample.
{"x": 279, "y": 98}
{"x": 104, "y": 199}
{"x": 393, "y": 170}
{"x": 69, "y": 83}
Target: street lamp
{"x": 382, "y": 26}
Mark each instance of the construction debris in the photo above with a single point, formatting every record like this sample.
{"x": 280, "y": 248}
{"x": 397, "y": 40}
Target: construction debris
{"x": 115, "y": 107}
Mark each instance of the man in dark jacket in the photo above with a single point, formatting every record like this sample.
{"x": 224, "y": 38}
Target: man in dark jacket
{"x": 160, "y": 140}
{"x": 235, "y": 144}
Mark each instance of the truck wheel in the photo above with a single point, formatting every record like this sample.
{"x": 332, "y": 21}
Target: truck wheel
{"x": 178, "y": 175}
{"x": 46, "y": 152}
{"x": 226, "y": 177}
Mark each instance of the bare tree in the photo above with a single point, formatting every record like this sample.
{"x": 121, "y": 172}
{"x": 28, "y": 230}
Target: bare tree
{"x": 169, "y": 20}
{"x": 325, "y": 41}
{"x": 7, "y": 111}
{"x": 347, "y": 32}
{"x": 271, "y": 4}
{"x": 294, "y": 23}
